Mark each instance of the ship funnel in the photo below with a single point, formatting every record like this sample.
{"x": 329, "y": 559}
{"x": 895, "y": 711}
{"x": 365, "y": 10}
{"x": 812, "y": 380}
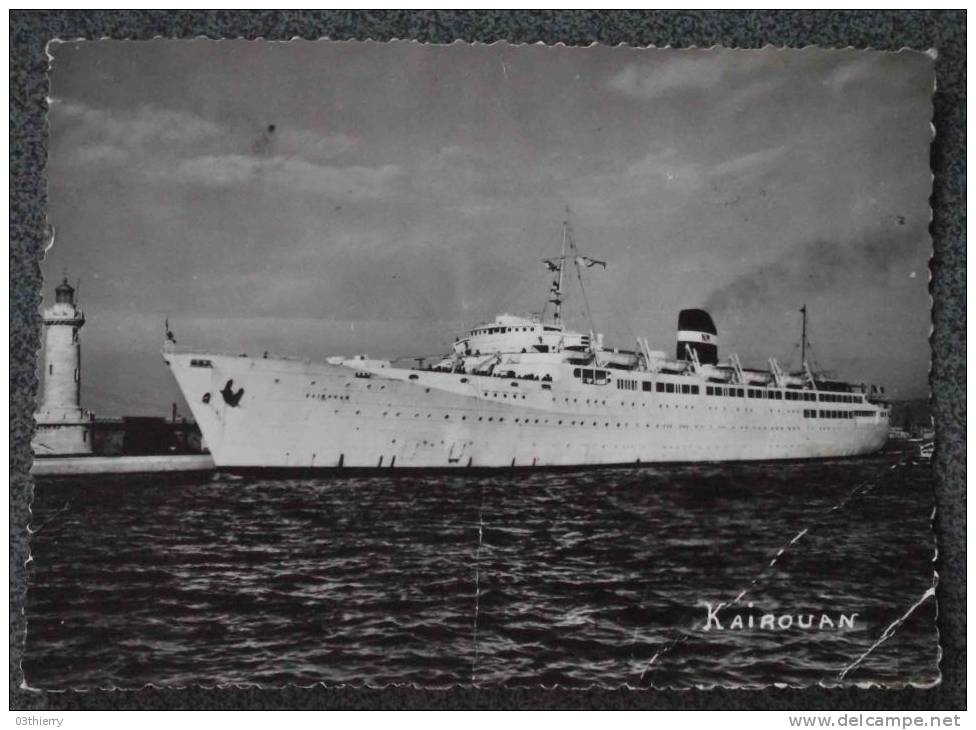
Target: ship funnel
{"x": 696, "y": 330}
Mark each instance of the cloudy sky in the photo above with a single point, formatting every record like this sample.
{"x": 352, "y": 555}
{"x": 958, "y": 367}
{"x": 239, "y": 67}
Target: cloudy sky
{"x": 337, "y": 198}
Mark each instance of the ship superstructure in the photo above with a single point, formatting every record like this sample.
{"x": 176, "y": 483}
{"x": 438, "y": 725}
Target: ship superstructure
{"x": 526, "y": 391}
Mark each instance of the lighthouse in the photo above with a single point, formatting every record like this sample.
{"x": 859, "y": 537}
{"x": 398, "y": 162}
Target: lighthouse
{"x": 62, "y": 426}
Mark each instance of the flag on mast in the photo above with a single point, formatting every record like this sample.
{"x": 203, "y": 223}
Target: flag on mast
{"x": 589, "y": 262}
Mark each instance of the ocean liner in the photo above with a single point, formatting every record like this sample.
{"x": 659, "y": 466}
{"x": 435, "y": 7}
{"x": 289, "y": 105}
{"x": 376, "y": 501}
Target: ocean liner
{"x": 526, "y": 392}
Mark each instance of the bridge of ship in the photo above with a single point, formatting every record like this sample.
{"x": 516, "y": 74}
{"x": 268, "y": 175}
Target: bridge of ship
{"x": 509, "y": 334}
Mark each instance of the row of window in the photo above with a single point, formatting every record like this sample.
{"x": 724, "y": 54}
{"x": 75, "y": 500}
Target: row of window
{"x": 594, "y": 376}
{"x": 684, "y": 389}
{"x": 730, "y": 392}
{"x": 763, "y": 393}
{"x": 591, "y": 376}
{"x": 811, "y": 413}
{"x": 840, "y": 398}
{"x": 326, "y": 396}
{"x": 602, "y": 377}
{"x": 502, "y": 330}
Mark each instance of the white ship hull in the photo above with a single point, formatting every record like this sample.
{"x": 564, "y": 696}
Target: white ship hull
{"x": 370, "y": 414}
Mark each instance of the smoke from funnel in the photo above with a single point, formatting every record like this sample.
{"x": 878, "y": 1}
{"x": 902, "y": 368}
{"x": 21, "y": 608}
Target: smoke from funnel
{"x": 814, "y": 267}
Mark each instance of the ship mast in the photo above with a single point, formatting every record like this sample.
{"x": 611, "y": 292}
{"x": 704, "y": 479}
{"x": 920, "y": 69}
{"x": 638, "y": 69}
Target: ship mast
{"x": 804, "y": 346}
{"x": 569, "y": 250}
{"x": 577, "y": 261}
{"x": 803, "y": 337}
{"x": 556, "y": 293}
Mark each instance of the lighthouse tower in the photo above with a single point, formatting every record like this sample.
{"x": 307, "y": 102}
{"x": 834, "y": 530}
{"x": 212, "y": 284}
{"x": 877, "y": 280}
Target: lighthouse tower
{"x": 62, "y": 426}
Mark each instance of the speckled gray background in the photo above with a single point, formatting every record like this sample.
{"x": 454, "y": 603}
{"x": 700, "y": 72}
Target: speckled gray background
{"x": 944, "y": 31}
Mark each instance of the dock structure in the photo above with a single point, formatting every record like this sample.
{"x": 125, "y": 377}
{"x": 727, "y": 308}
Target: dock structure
{"x": 70, "y": 466}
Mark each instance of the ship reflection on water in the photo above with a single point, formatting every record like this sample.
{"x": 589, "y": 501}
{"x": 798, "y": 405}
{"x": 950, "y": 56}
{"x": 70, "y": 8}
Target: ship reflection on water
{"x": 575, "y": 578}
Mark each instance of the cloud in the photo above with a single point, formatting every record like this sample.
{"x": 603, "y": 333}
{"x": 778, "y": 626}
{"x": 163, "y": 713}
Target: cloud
{"x": 862, "y": 68}
{"x": 353, "y": 182}
{"x": 281, "y": 141}
{"x": 168, "y": 146}
{"x": 101, "y": 154}
{"x": 677, "y": 178}
{"x": 749, "y": 164}
{"x": 692, "y": 70}
{"x": 145, "y": 127}
{"x": 650, "y": 82}
{"x": 815, "y": 266}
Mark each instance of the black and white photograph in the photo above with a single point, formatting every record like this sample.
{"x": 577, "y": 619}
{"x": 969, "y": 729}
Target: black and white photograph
{"x": 391, "y": 364}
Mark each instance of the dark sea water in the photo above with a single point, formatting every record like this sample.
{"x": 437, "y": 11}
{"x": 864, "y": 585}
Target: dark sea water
{"x": 574, "y": 578}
